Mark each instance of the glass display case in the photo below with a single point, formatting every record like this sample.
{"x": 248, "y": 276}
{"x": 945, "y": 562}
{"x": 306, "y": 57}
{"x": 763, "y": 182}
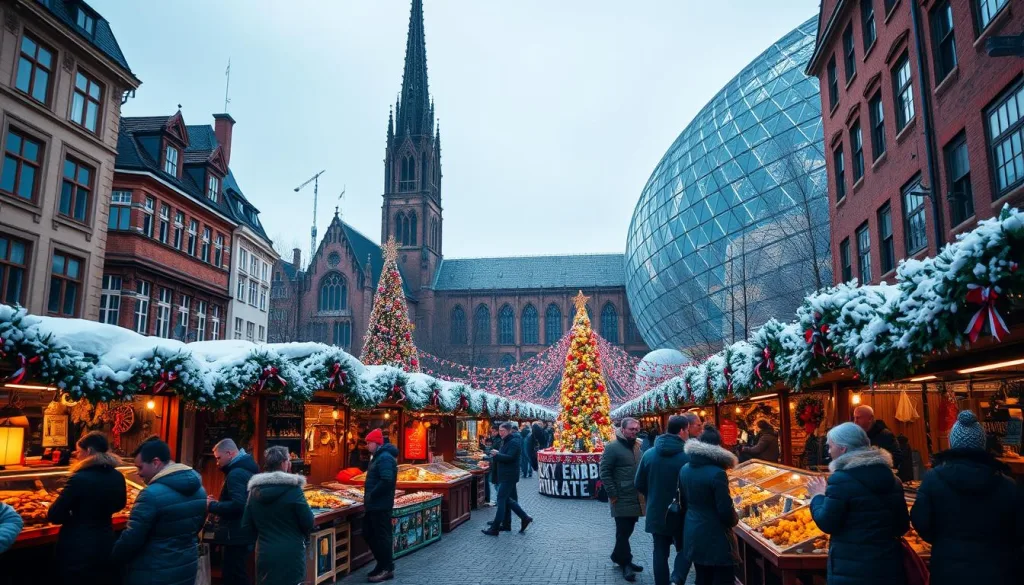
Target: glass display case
{"x": 439, "y": 473}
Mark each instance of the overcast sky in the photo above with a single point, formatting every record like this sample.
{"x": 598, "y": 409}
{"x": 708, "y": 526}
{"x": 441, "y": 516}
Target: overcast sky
{"x": 553, "y": 113}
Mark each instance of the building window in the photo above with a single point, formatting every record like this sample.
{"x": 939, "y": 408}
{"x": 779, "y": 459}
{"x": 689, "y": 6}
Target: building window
{"x": 238, "y": 328}
{"x": 889, "y": 5}
{"x": 218, "y": 251}
{"x": 240, "y": 293}
{"x": 142, "y": 289}
{"x": 333, "y": 293}
{"x": 482, "y": 325}
{"x": 530, "y": 326}
{"x": 266, "y": 272}
{"x": 179, "y": 227}
{"x": 1006, "y": 135}
{"x": 632, "y": 335}
{"x": 987, "y": 10}
{"x": 171, "y": 161}
{"x": 65, "y": 285}
{"x": 342, "y": 334}
{"x": 243, "y": 259}
{"x": 110, "y": 299}
{"x": 250, "y": 331}
{"x": 147, "y": 217}
{"x": 552, "y": 324}
{"x": 903, "y": 89}
{"x": 944, "y": 41}
{"x": 85, "y": 103}
{"x": 958, "y": 173}
{"x": 213, "y": 188}
{"x": 849, "y": 53}
{"x": 35, "y": 70}
{"x": 253, "y": 292}
{"x": 506, "y": 326}
{"x": 458, "y": 326}
{"x": 888, "y": 249}
{"x": 262, "y": 334}
{"x": 254, "y": 266}
{"x": 120, "y": 211}
{"x": 864, "y": 254}
{"x": 215, "y": 324}
{"x": 263, "y": 299}
{"x": 85, "y": 21}
{"x": 845, "y": 260}
{"x": 76, "y": 190}
{"x": 181, "y": 331}
{"x": 913, "y": 217}
{"x": 867, "y": 20}
{"x": 201, "y": 321}
{"x": 407, "y": 182}
{"x": 193, "y": 231}
{"x": 13, "y": 270}
{"x": 204, "y": 248}
{"x": 833, "y": 83}
{"x": 857, "y": 145}
{"x": 877, "y": 113}
{"x": 163, "y": 313}
{"x": 840, "y": 172}
{"x": 22, "y": 158}
{"x": 610, "y": 323}
{"x": 165, "y": 222}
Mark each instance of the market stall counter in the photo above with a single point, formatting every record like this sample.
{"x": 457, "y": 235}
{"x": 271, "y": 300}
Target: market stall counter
{"x": 444, "y": 479}
{"x": 476, "y": 463}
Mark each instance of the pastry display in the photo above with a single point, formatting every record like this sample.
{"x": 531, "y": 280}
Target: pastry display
{"x": 446, "y": 469}
{"x": 30, "y": 505}
{"x": 324, "y": 500}
{"x": 785, "y": 482}
{"x": 414, "y": 498}
{"x": 420, "y": 475}
{"x": 800, "y": 493}
{"x": 748, "y": 495}
{"x": 756, "y": 471}
{"x": 766, "y": 512}
{"x": 792, "y": 529}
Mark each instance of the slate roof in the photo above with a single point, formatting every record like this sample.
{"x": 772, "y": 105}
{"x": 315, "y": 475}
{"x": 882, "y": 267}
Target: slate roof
{"x": 531, "y": 272}
{"x": 102, "y": 37}
{"x": 233, "y": 193}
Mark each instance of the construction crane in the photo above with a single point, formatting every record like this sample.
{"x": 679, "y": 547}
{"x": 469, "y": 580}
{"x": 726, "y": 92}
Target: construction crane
{"x": 315, "y": 179}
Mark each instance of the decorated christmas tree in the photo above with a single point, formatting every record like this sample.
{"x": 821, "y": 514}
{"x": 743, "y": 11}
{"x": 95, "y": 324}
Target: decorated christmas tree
{"x": 389, "y": 333}
{"x": 584, "y": 424}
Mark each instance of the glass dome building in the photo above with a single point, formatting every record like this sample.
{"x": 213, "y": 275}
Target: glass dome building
{"x": 732, "y": 226}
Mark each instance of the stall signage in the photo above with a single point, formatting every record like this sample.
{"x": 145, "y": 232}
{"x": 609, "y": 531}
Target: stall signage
{"x": 416, "y": 441}
{"x": 569, "y": 480}
{"x": 728, "y": 430}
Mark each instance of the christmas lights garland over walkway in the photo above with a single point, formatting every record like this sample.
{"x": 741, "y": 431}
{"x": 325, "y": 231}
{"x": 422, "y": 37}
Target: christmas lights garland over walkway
{"x": 882, "y": 332}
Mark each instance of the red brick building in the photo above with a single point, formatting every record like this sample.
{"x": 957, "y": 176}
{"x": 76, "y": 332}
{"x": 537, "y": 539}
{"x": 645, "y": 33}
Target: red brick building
{"x": 923, "y": 129}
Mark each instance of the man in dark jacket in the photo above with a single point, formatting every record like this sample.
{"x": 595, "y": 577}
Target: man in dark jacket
{"x": 238, "y": 467}
{"x": 618, "y": 473}
{"x": 767, "y": 446}
{"x": 159, "y": 545}
{"x": 94, "y": 492}
{"x": 877, "y": 431}
{"x": 379, "y": 501}
{"x": 657, "y": 480}
{"x": 492, "y": 475}
{"x": 538, "y": 441}
{"x": 524, "y": 456}
{"x": 963, "y": 508}
{"x": 507, "y": 461}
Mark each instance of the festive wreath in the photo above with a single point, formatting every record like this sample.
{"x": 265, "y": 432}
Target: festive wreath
{"x": 810, "y": 412}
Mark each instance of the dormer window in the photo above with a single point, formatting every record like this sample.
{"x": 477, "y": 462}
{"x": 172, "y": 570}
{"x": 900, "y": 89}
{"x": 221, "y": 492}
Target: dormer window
{"x": 213, "y": 188}
{"x": 171, "y": 161}
{"x": 85, "y": 21}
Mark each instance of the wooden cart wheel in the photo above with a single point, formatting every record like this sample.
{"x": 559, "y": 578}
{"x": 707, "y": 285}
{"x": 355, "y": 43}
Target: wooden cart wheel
{"x": 123, "y": 417}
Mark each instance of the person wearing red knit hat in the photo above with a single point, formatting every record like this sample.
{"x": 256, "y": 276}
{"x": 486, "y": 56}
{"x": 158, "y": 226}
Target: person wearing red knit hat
{"x": 379, "y": 501}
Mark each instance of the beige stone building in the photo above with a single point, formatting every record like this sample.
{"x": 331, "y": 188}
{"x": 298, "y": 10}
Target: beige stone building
{"x": 63, "y": 79}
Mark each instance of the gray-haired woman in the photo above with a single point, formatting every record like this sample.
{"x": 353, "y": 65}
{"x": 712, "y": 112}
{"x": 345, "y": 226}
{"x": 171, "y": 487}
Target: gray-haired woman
{"x": 863, "y": 509}
{"x": 278, "y": 514}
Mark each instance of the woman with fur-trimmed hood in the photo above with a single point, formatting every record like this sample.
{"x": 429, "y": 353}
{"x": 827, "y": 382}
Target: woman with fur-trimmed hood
{"x": 94, "y": 492}
{"x": 863, "y": 508}
{"x": 279, "y": 516}
{"x": 708, "y": 539}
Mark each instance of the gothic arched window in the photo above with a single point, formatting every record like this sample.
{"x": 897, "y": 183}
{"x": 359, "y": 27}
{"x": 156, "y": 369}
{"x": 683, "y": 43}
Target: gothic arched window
{"x": 407, "y": 181}
{"x": 333, "y": 293}
{"x": 552, "y": 324}
{"x": 507, "y": 326}
{"x": 508, "y": 360}
{"x": 412, "y": 230}
{"x": 482, "y": 325}
{"x": 529, "y": 333}
{"x": 399, "y": 220}
{"x": 610, "y": 323}
{"x": 458, "y": 323}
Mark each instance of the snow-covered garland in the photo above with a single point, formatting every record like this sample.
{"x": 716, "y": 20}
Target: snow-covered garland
{"x": 103, "y": 363}
{"x": 882, "y": 332}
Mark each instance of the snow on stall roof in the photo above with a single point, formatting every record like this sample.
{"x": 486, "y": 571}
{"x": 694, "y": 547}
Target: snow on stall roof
{"x": 298, "y": 349}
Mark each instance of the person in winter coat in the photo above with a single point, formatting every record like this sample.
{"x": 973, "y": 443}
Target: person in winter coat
{"x": 863, "y": 508}
{"x": 492, "y": 474}
{"x": 507, "y": 461}
{"x": 962, "y": 510}
{"x": 379, "y": 501}
{"x": 525, "y": 465}
{"x": 657, "y": 480}
{"x": 538, "y": 441}
{"x": 878, "y": 432}
{"x": 160, "y": 545}
{"x": 708, "y": 539}
{"x": 238, "y": 467}
{"x": 94, "y": 492}
{"x": 618, "y": 476}
{"x": 767, "y": 446}
{"x": 279, "y": 516}
{"x": 10, "y": 527}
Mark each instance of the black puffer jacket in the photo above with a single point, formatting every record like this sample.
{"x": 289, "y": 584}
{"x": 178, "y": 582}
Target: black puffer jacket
{"x": 159, "y": 546}
{"x": 381, "y": 478}
{"x": 864, "y": 511}
{"x": 94, "y": 492}
{"x": 963, "y": 509}
{"x": 708, "y": 538}
{"x": 231, "y": 504}
{"x": 657, "y": 478}
{"x": 507, "y": 459}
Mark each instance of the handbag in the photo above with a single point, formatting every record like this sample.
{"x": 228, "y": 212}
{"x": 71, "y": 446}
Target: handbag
{"x": 914, "y": 569}
{"x": 203, "y": 574}
{"x": 674, "y": 516}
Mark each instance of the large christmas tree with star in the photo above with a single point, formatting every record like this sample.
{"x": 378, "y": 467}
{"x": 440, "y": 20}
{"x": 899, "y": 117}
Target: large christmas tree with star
{"x": 584, "y": 423}
{"x": 389, "y": 333}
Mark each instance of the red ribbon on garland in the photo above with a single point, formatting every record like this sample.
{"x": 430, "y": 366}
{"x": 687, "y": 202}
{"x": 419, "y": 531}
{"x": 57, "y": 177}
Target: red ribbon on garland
{"x": 463, "y": 403}
{"x": 397, "y": 394}
{"x": 986, "y": 297}
{"x": 21, "y": 373}
{"x": 815, "y": 337}
{"x": 166, "y": 378}
{"x": 269, "y": 373}
{"x": 766, "y": 362}
{"x": 336, "y": 377}
{"x": 435, "y": 398}
{"x": 728, "y": 378}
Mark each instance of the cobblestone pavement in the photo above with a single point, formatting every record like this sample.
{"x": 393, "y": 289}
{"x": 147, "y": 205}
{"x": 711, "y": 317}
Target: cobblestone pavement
{"x": 568, "y": 544}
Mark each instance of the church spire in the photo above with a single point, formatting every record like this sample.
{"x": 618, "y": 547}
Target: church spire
{"x": 414, "y": 116}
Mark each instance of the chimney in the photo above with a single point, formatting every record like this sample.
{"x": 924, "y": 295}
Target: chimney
{"x": 222, "y": 125}
{"x": 296, "y": 257}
